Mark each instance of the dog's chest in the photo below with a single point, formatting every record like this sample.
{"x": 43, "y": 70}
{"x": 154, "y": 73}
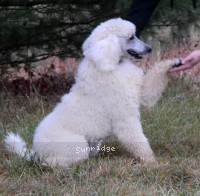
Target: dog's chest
{"x": 129, "y": 76}
{"x": 123, "y": 87}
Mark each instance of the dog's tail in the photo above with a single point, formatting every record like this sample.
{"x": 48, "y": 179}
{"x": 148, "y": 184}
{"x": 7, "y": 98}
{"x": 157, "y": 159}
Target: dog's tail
{"x": 14, "y": 143}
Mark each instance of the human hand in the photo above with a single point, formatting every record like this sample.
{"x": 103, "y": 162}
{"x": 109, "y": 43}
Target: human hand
{"x": 188, "y": 62}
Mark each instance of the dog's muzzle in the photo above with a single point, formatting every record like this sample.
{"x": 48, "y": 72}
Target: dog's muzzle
{"x": 138, "y": 55}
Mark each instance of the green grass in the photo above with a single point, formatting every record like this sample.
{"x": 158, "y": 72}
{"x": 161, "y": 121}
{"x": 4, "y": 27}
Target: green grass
{"x": 173, "y": 131}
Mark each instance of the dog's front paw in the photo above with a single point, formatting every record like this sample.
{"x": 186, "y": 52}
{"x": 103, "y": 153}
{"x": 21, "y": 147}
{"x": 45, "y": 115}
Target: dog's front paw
{"x": 147, "y": 160}
{"x": 162, "y": 67}
{"x": 176, "y": 63}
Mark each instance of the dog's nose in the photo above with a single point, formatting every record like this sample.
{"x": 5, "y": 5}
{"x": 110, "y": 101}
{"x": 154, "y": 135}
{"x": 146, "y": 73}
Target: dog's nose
{"x": 148, "y": 49}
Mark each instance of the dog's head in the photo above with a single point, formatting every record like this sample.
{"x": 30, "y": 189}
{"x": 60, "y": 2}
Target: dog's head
{"x": 110, "y": 41}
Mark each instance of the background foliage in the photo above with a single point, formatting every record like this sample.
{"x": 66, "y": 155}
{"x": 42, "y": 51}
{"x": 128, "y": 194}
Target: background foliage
{"x": 181, "y": 15}
{"x": 34, "y": 30}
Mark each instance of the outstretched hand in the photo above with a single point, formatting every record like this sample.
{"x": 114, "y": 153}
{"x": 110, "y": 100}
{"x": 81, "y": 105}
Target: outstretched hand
{"x": 188, "y": 62}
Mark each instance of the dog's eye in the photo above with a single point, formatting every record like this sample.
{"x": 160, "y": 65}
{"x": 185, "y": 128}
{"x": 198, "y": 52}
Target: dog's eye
{"x": 132, "y": 37}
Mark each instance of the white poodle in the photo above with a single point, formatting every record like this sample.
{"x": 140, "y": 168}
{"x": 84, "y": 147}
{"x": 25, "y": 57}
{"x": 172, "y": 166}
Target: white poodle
{"x": 105, "y": 100}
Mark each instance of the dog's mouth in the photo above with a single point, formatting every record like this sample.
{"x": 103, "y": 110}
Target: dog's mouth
{"x": 133, "y": 53}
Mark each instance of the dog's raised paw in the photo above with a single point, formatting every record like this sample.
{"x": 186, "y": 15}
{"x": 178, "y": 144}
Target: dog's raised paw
{"x": 177, "y": 63}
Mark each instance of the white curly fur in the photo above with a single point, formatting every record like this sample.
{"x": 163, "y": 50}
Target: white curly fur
{"x": 15, "y": 143}
{"x": 105, "y": 100}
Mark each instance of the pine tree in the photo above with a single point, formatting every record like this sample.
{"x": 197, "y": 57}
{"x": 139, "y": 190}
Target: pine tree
{"x": 34, "y": 30}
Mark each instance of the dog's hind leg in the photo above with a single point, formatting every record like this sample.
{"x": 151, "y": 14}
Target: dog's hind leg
{"x": 130, "y": 134}
{"x": 62, "y": 149}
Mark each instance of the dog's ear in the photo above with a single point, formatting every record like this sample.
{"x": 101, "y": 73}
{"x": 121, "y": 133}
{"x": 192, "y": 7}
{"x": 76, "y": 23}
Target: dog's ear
{"x": 105, "y": 53}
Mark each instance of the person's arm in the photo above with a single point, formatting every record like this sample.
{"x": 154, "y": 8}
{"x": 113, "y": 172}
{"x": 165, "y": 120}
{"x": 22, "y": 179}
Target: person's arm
{"x": 188, "y": 62}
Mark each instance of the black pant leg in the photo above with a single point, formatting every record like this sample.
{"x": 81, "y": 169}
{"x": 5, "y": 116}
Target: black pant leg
{"x": 140, "y": 13}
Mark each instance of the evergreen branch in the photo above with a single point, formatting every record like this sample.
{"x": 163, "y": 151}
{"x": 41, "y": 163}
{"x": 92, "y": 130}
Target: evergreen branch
{"x": 38, "y": 58}
{"x": 7, "y": 3}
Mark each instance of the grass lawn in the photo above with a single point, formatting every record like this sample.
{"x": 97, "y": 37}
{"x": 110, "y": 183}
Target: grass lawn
{"x": 173, "y": 129}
